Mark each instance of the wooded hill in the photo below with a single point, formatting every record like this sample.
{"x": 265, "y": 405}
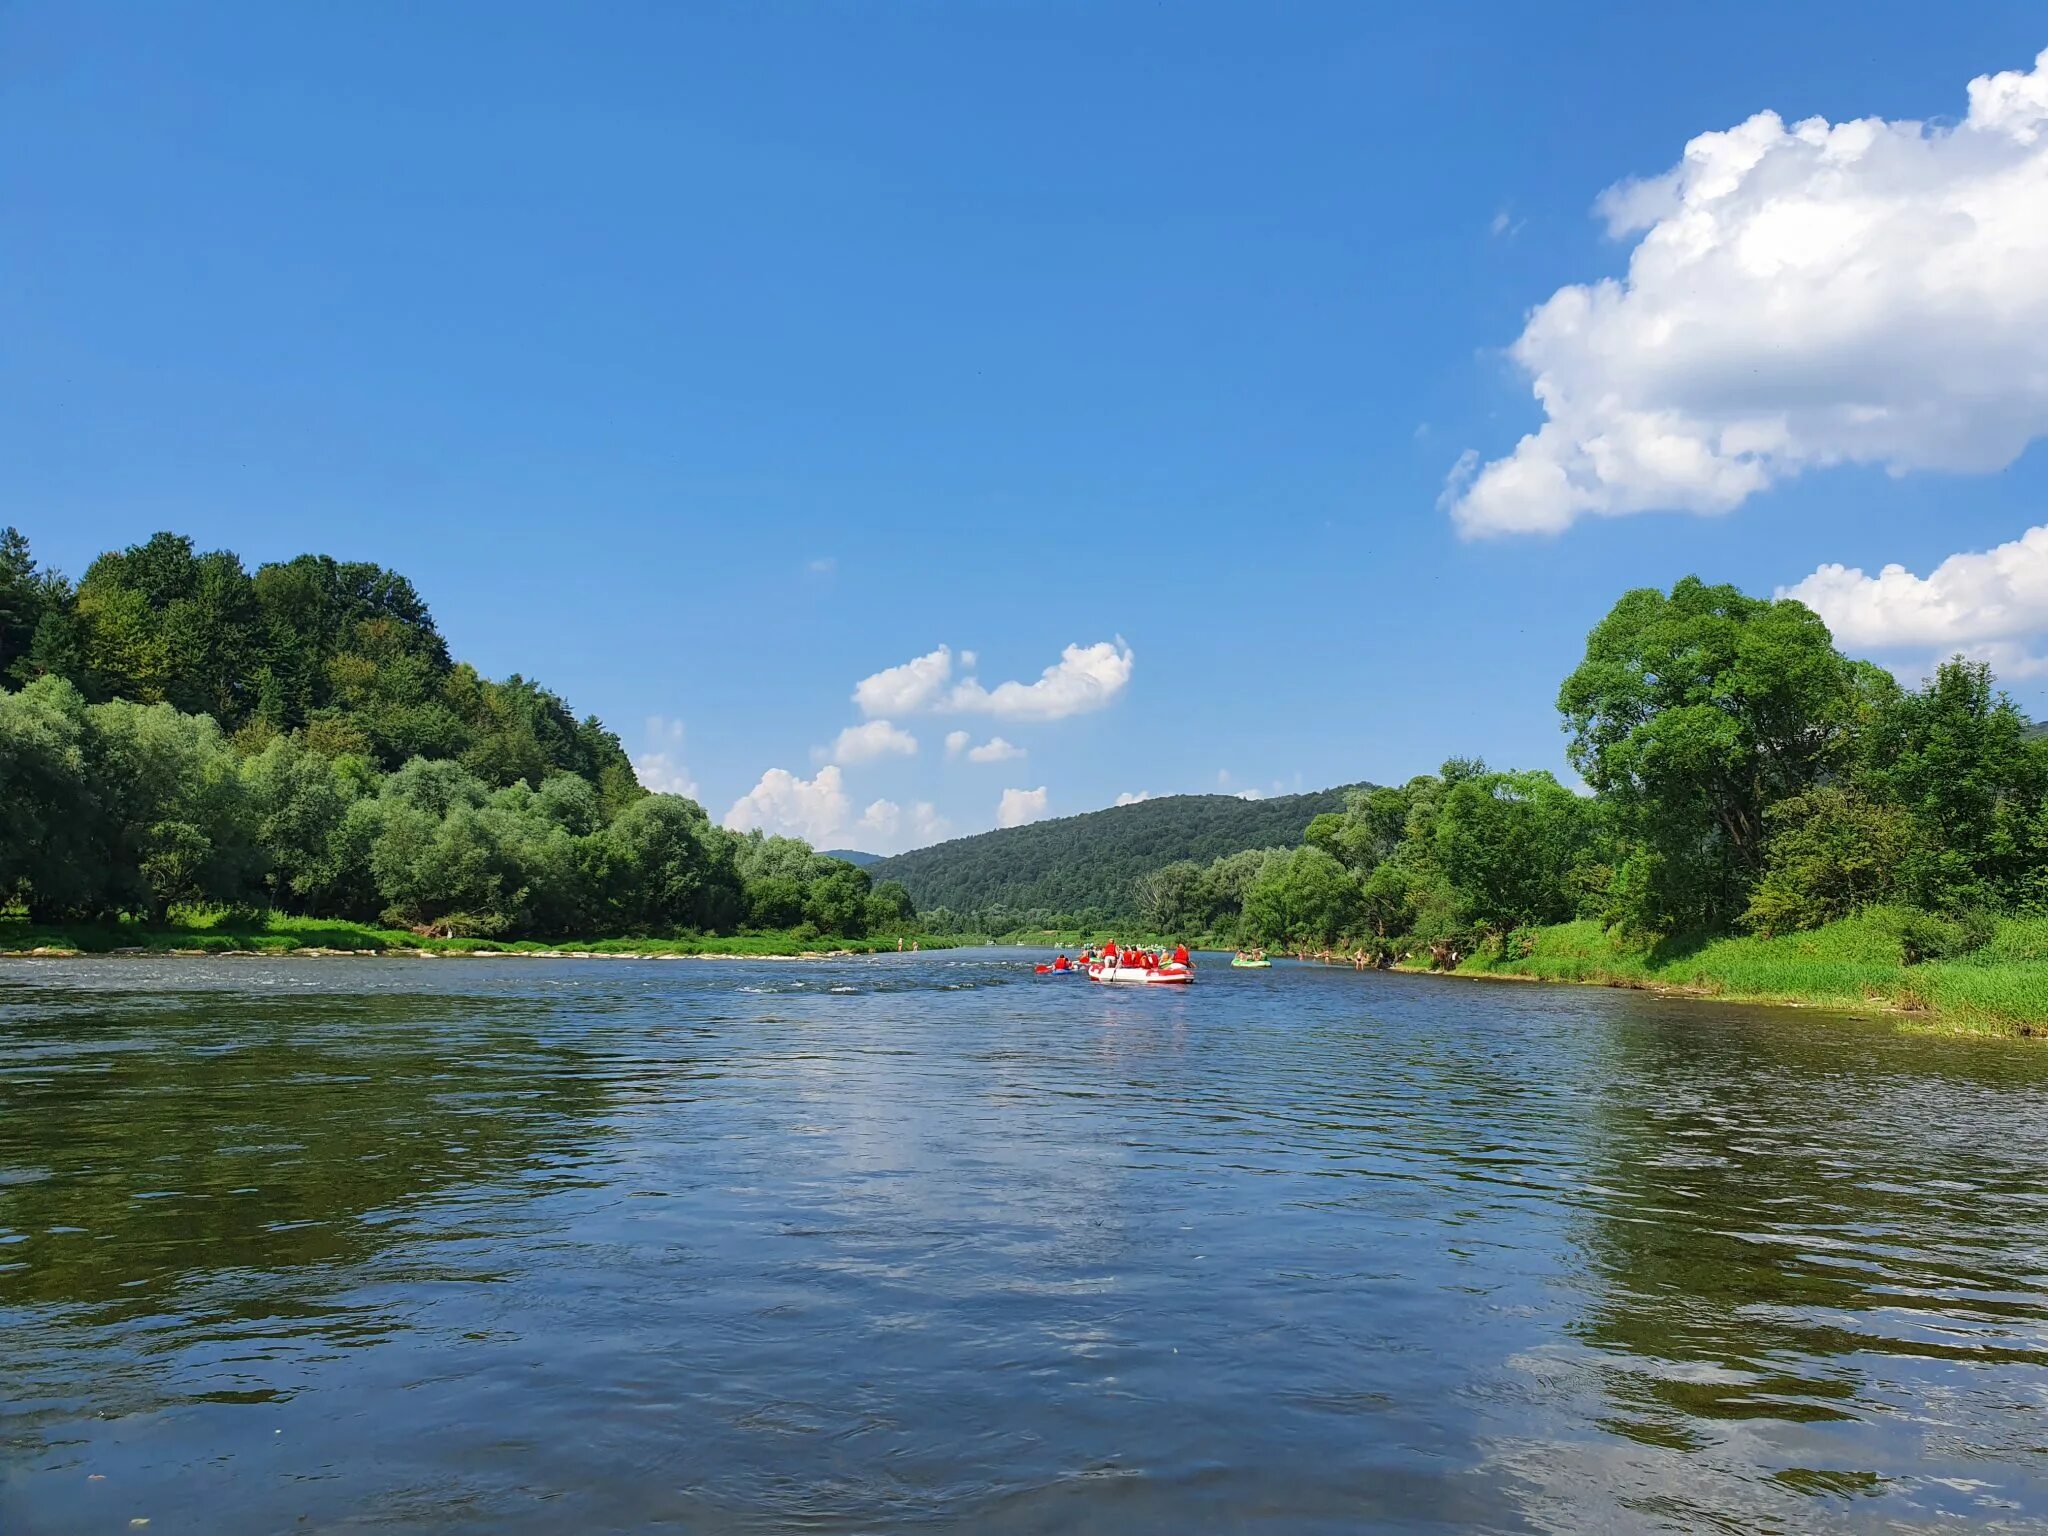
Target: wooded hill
{"x": 1087, "y": 867}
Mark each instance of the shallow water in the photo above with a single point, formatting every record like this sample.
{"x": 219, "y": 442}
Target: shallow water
{"x": 927, "y": 1242}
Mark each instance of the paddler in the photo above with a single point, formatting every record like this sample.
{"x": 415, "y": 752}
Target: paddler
{"x": 1062, "y": 964}
{"x": 1180, "y": 954}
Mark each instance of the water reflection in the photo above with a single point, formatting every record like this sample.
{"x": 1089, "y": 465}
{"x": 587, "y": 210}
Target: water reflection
{"x": 532, "y": 1247}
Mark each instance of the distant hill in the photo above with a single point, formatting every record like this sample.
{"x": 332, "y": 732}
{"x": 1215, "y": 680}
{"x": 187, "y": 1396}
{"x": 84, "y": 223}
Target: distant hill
{"x": 852, "y": 856}
{"x": 1089, "y": 865}
{"x": 2040, "y": 729}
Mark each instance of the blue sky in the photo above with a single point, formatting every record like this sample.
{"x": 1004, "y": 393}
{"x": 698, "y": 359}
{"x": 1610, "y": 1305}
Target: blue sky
{"x": 704, "y": 361}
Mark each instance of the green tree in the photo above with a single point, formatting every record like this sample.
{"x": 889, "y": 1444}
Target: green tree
{"x": 1304, "y": 897}
{"x": 53, "y": 852}
{"x": 1831, "y": 852}
{"x": 1694, "y": 713}
{"x": 1510, "y": 843}
{"x": 1956, "y": 756}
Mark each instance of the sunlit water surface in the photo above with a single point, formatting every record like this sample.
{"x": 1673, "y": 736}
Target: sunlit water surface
{"x": 931, "y": 1243}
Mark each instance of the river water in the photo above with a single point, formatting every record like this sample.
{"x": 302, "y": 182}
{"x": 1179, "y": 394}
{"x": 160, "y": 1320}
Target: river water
{"x": 929, "y": 1243}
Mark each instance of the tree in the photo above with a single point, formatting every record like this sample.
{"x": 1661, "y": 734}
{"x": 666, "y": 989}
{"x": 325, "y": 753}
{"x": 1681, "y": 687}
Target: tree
{"x": 1831, "y": 852}
{"x": 1174, "y": 900}
{"x": 52, "y": 835}
{"x": 1510, "y": 842}
{"x": 837, "y": 901}
{"x": 1956, "y": 756}
{"x": 670, "y": 868}
{"x": 1303, "y": 897}
{"x": 1695, "y": 712}
{"x": 176, "y": 807}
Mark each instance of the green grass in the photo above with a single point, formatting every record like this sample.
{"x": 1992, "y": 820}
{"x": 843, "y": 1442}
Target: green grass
{"x": 220, "y": 933}
{"x": 1855, "y": 963}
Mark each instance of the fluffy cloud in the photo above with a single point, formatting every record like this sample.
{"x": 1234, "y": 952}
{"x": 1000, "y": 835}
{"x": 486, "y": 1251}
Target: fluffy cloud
{"x": 659, "y": 766}
{"x": 865, "y": 743}
{"x": 1085, "y": 678}
{"x": 1865, "y": 292}
{"x": 995, "y": 750}
{"x": 816, "y": 810}
{"x": 956, "y": 742}
{"x": 904, "y": 690}
{"x": 926, "y": 824}
{"x": 1127, "y": 798}
{"x": 882, "y": 819}
{"x": 1982, "y": 603}
{"x": 1019, "y": 806}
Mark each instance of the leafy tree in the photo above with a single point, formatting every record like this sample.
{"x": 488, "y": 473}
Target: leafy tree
{"x": 1510, "y": 842}
{"x": 298, "y": 799}
{"x": 671, "y": 869}
{"x": 52, "y": 835}
{"x": 1176, "y": 899}
{"x": 173, "y": 799}
{"x": 1831, "y": 853}
{"x": 1304, "y": 897}
{"x": 1694, "y": 712}
{"x": 837, "y": 901}
{"x": 1956, "y": 756}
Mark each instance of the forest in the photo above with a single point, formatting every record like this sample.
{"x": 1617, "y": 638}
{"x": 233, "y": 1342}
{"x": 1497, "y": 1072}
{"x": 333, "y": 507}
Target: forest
{"x": 178, "y": 731}
{"x": 1085, "y": 871}
{"x": 1745, "y": 777}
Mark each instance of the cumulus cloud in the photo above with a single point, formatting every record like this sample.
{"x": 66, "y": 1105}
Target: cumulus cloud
{"x": 1128, "y": 798}
{"x": 994, "y": 750}
{"x": 1019, "y": 806}
{"x": 882, "y": 819}
{"x": 1983, "y": 603}
{"x": 1866, "y": 292}
{"x": 904, "y": 690}
{"x": 926, "y": 824}
{"x": 956, "y": 742}
{"x": 1085, "y": 678}
{"x": 659, "y": 766}
{"x": 865, "y": 743}
{"x": 816, "y": 810}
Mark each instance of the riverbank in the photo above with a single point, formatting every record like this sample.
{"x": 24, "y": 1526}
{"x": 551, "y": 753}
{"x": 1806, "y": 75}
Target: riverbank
{"x": 273, "y": 934}
{"x": 1998, "y": 988}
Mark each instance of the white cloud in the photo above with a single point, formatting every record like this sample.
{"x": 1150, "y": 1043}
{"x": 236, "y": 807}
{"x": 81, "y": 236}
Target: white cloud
{"x": 1994, "y": 595}
{"x": 956, "y": 742}
{"x": 816, "y": 810}
{"x": 905, "y": 690}
{"x": 995, "y": 750}
{"x": 1251, "y": 794}
{"x": 824, "y": 565}
{"x": 1085, "y": 678}
{"x": 1981, "y": 603}
{"x": 968, "y": 659}
{"x": 926, "y": 824}
{"x": 1866, "y": 292}
{"x": 659, "y": 766}
{"x": 882, "y": 819}
{"x": 1019, "y": 806}
{"x": 1127, "y": 798}
{"x": 865, "y": 743}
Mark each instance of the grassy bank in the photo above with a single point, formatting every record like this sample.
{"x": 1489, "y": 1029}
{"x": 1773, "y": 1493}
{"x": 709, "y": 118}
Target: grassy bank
{"x": 261, "y": 933}
{"x": 2001, "y": 987}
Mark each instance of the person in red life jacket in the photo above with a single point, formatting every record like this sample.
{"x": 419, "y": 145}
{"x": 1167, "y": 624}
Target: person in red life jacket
{"x": 1109, "y": 954}
{"x": 1062, "y": 963}
{"x": 1180, "y": 954}
{"x": 1151, "y": 959}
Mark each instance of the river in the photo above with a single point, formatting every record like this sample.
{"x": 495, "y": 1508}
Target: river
{"x": 931, "y": 1243}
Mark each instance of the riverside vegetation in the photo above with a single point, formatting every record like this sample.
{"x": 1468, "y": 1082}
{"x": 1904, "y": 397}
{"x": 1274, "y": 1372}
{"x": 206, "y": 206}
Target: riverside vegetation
{"x": 291, "y": 758}
{"x": 1768, "y": 819}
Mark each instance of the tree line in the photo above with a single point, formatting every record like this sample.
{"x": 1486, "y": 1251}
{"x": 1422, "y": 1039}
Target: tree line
{"x": 1744, "y": 775}
{"x": 175, "y": 730}
{"x": 1083, "y": 870}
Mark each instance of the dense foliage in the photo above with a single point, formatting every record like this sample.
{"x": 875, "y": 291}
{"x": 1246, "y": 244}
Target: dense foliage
{"x": 185, "y": 733}
{"x": 1086, "y": 869}
{"x": 1744, "y": 773}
